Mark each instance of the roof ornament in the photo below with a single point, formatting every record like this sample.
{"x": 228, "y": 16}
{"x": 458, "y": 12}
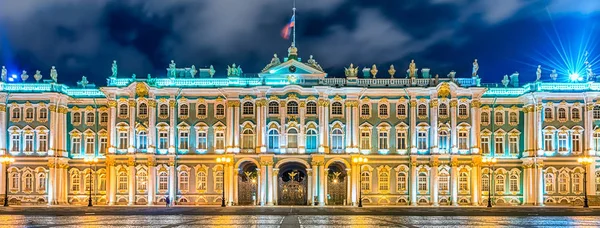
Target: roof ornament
{"x": 452, "y": 74}
{"x": 37, "y": 76}
{"x": 4, "y": 74}
{"x": 374, "y": 71}
{"x": 211, "y": 71}
{"x": 234, "y": 70}
{"x": 505, "y": 81}
{"x": 193, "y": 71}
{"x": 351, "y": 71}
{"x": 412, "y": 69}
{"x": 588, "y": 68}
{"x": 313, "y": 63}
{"x": 553, "y": 75}
{"x": 54, "y": 74}
{"x": 392, "y": 71}
{"x": 538, "y": 73}
{"x": 475, "y": 69}
{"x": 84, "y": 82}
{"x": 172, "y": 69}
{"x": 24, "y": 76}
{"x": 274, "y": 62}
{"x": 114, "y": 69}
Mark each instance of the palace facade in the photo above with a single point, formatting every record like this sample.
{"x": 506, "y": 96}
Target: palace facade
{"x": 293, "y": 135}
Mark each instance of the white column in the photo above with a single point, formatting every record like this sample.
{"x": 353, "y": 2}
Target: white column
{"x": 131, "y": 183}
{"x": 475, "y": 180}
{"x": 152, "y": 128}
{"x": 322, "y": 182}
{"x": 172, "y": 127}
{"x": 526, "y": 131}
{"x": 413, "y": 127}
{"x": 355, "y": 126}
{"x": 132, "y": 126}
{"x": 309, "y": 174}
{"x": 526, "y": 187}
{"x": 539, "y": 130}
{"x": 259, "y": 126}
{"x": 65, "y": 189}
{"x": 172, "y": 187}
{"x": 349, "y": 130}
{"x": 230, "y": 127}
{"x": 326, "y": 126}
{"x": 151, "y": 182}
{"x": 282, "y": 128}
{"x": 236, "y": 128}
{"x": 591, "y": 178}
{"x": 274, "y": 178}
{"x": 264, "y": 128}
{"x": 355, "y": 183}
{"x": 453, "y": 131}
{"x": 540, "y": 185}
{"x": 348, "y": 187}
{"x": 321, "y": 114}
{"x": 263, "y": 185}
{"x": 302, "y": 131}
{"x": 454, "y": 182}
{"x": 3, "y": 120}
{"x": 230, "y": 186}
{"x": 434, "y": 183}
{"x": 434, "y": 125}
{"x": 51, "y": 191}
{"x": 475, "y": 128}
{"x": 113, "y": 182}
{"x": 413, "y": 184}
{"x": 270, "y": 184}
{"x": 113, "y": 126}
{"x": 259, "y": 186}
{"x": 589, "y": 132}
{"x": 315, "y": 183}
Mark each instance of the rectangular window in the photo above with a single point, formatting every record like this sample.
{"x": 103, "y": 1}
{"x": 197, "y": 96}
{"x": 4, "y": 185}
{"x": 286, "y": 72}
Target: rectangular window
{"x": 123, "y": 140}
{"x": 422, "y": 182}
{"x": 184, "y": 140}
{"x": 202, "y": 141}
{"x": 383, "y": 141}
{"x": 443, "y": 183}
{"x": 462, "y": 141}
{"x": 422, "y": 140}
{"x": 485, "y": 183}
{"x": 220, "y": 141}
{"x": 42, "y": 143}
{"x": 499, "y": 183}
{"x": 219, "y": 181}
{"x": 401, "y": 141}
{"x": 576, "y": 143}
{"x": 548, "y": 142}
{"x": 513, "y": 146}
{"x": 499, "y": 145}
{"x": 76, "y": 145}
{"x": 142, "y": 140}
{"x": 89, "y": 145}
{"x": 401, "y": 182}
{"x": 463, "y": 182}
{"x": 103, "y": 145}
{"x": 163, "y": 140}
{"x": 562, "y": 142}
{"x": 365, "y": 140}
{"x": 28, "y": 143}
{"x": 163, "y": 182}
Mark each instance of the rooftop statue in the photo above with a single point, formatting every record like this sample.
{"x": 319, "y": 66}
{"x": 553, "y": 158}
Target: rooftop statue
{"x": 314, "y": 64}
{"x": 234, "y": 70}
{"x": 54, "y": 74}
{"x": 351, "y": 71}
{"x": 4, "y": 74}
{"x": 193, "y": 71}
{"x": 452, "y": 74}
{"x": 412, "y": 69}
{"x": 392, "y": 71}
{"x": 553, "y": 75}
{"x": 114, "y": 69}
{"x": 374, "y": 70}
{"x": 211, "y": 71}
{"x": 538, "y": 73}
{"x": 274, "y": 62}
{"x": 475, "y": 68}
{"x": 84, "y": 82}
{"x": 505, "y": 81}
{"x": 37, "y": 76}
{"x": 172, "y": 69}
{"x": 24, "y": 76}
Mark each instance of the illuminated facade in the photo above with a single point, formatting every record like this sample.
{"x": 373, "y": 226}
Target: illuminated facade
{"x": 291, "y": 134}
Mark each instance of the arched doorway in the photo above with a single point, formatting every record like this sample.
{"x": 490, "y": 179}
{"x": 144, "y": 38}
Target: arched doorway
{"x": 337, "y": 184}
{"x": 247, "y": 184}
{"x": 292, "y": 184}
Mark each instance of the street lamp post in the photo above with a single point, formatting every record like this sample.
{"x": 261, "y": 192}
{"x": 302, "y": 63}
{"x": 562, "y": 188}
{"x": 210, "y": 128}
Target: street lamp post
{"x": 490, "y": 162}
{"x": 359, "y": 161}
{"x": 225, "y": 161}
{"x": 585, "y": 161}
{"x": 6, "y": 160}
{"x": 90, "y": 161}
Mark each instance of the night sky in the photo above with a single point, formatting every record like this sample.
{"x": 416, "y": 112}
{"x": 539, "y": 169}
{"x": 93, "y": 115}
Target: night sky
{"x": 82, "y": 37}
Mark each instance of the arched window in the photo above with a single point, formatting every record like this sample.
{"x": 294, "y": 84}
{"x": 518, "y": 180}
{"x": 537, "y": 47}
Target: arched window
{"x": 311, "y": 140}
{"x": 562, "y": 114}
{"x": 41, "y": 182}
{"x": 337, "y": 140}
{"x": 201, "y": 110}
{"x": 142, "y": 180}
{"x": 122, "y": 180}
{"x": 219, "y": 181}
{"x": 142, "y": 140}
{"x": 201, "y": 181}
{"x": 273, "y": 139}
{"x": 443, "y": 110}
{"x": 499, "y": 118}
{"x": 463, "y": 182}
{"x": 248, "y": 108}
{"x": 28, "y": 180}
{"x": 43, "y": 114}
{"x": 422, "y": 182}
{"x": 549, "y": 181}
{"x": 88, "y": 182}
{"x": 14, "y": 182}
{"x": 383, "y": 110}
{"x": 163, "y": 182}
{"x": 512, "y": 118}
{"x": 462, "y": 110}
{"x": 163, "y": 111}
{"x": 29, "y": 114}
{"x": 292, "y": 136}
{"x": 311, "y": 108}
{"x": 16, "y": 113}
{"x": 336, "y": 108}
{"x": 365, "y": 110}
{"x": 248, "y": 139}
{"x": 548, "y": 114}
{"x": 76, "y": 118}
{"x": 143, "y": 109}
{"x": 104, "y": 118}
{"x": 273, "y": 108}
{"x": 485, "y": 182}
{"x": 75, "y": 182}
{"x": 384, "y": 181}
{"x": 500, "y": 183}
{"x": 184, "y": 110}
{"x": 513, "y": 183}
{"x": 365, "y": 177}
{"x": 577, "y": 182}
{"x": 292, "y": 108}
{"x": 563, "y": 183}
{"x": 184, "y": 181}
{"x": 90, "y": 118}
{"x": 123, "y": 110}
{"x": 220, "y": 110}
{"x": 422, "y": 110}
{"x": 575, "y": 114}
{"x": 485, "y": 118}
{"x": 102, "y": 184}
{"x": 401, "y": 182}
{"x": 444, "y": 141}
{"x": 444, "y": 182}
{"x": 401, "y": 110}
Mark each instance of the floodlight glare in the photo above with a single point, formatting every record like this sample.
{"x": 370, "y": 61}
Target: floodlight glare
{"x": 574, "y": 77}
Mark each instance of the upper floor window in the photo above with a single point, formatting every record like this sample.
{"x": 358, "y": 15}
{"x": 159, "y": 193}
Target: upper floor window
{"x": 562, "y": 114}
{"x": 596, "y": 112}
{"x": 220, "y": 110}
{"x": 383, "y": 110}
{"x": 201, "y": 110}
{"x": 248, "y": 108}
{"x": 401, "y": 110}
{"x": 499, "y": 118}
{"x": 336, "y": 108}
{"x": 163, "y": 110}
{"x": 16, "y": 114}
{"x": 29, "y": 114}
{"x": 364, "y": 110}
{"x": 462, "y": 110}
{"x": 43, "y": 116}
{"x": 512, "y": 118}
{"x": 422, "y": 110}
{"x": 443, "y": 110}
{"x": 184, "y": 110}
{"x": 575, "y": 114}
{"x": 485, "y": 118}
{"x": 76, "y": 118}
{"x": 143, "y": 109}
{"x": 104, "y": 118}
{"x": 90, "y": 118}
{"x": 548, "y": 114}
{"x": 273, "y": 108}
{"x": 311, "y": 108}
{"x": 123, "y": 110}
{"x": 292, "y": 108}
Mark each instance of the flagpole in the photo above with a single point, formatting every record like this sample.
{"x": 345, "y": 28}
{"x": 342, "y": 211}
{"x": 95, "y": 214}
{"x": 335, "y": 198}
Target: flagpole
{"x": 294, "y": 31}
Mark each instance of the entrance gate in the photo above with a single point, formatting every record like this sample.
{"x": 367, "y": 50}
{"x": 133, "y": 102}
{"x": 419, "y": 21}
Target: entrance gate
{"x": 292, "y": 191}
{"x": 336, "y": 189}
{"x": 247, "y": 187}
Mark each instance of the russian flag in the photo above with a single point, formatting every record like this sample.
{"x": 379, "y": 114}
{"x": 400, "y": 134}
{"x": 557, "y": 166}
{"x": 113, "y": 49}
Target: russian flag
{"x": 287, "y": 29}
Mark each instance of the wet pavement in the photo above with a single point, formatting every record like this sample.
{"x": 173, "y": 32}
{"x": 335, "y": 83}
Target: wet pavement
{"x": 103, "y": 216}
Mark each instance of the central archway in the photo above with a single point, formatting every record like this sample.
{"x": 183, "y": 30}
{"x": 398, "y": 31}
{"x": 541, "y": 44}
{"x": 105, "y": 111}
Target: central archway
{"x": 292, "y": 184}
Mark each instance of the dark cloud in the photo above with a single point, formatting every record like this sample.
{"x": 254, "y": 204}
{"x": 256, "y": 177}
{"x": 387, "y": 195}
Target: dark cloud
{"x": 83, "y": 37}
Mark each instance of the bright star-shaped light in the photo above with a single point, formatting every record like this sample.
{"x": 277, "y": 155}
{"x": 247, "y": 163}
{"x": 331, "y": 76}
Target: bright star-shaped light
{"x": 574, "y": 77}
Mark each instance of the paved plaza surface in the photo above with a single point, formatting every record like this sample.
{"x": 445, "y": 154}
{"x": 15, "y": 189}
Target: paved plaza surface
{"x": 280, "y": 216}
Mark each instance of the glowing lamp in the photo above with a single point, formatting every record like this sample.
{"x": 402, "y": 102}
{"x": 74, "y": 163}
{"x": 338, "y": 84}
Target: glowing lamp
{"x": 574, "y": 77}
